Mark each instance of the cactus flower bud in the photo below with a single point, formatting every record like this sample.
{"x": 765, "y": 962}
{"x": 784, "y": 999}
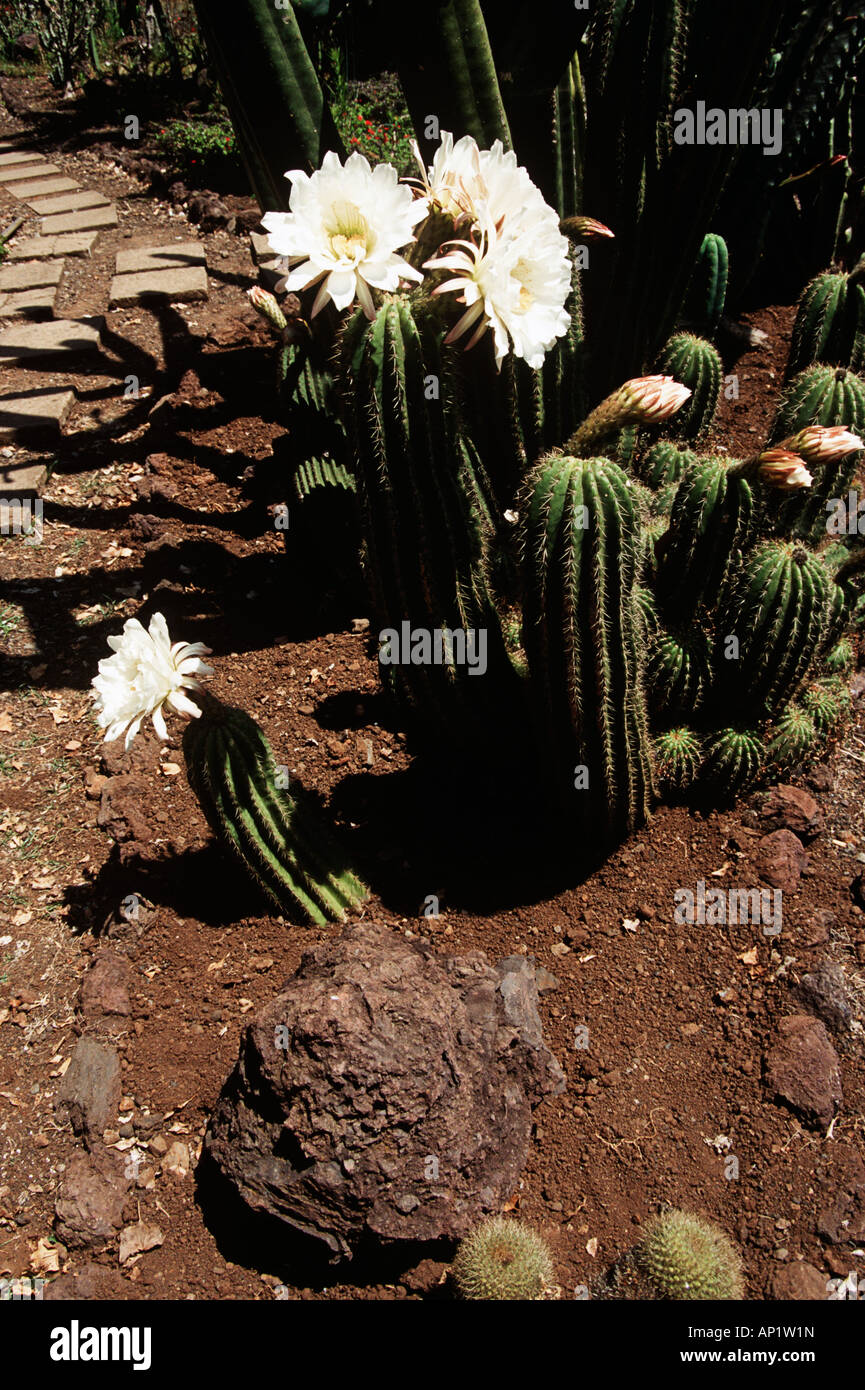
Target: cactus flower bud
{"x": 653, "y": 398}
{"x": 584, "y": 229}
{"x": 820, "y": 443}
{"x": 265, "y": 304}
{"x": 780, "y": 468}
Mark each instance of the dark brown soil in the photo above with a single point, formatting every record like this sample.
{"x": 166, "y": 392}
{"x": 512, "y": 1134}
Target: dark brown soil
{"x": 679, "y": 1017}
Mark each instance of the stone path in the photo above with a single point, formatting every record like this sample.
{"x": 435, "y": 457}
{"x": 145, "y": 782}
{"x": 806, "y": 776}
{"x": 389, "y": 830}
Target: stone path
{"x": 72, "y": 218}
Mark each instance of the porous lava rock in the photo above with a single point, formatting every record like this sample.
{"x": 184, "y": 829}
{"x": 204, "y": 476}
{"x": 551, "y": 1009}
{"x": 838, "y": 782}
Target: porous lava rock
{"x": 386, "y": 1092}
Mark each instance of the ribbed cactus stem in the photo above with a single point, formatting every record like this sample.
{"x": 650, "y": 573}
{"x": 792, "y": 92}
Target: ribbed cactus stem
{"x": 830, "y": 323}
{"x": 784, "y": 614}
{"x": 582, "y": 632}
{"x": 711, "y": 523}
{"x": 697, "y": 364}
{"x": 285, "y": 847}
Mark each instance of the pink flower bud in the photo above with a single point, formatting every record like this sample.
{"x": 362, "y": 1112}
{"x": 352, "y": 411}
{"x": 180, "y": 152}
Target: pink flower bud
{"x": 780, "y": 468}
{"x": 819, "y": 443}
{"x": 266, "y": 305}
{"x": 654, "y": 398}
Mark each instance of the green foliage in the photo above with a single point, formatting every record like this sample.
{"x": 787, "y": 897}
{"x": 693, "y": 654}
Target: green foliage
{"x": 202, "y": 151}
{"x": 284, "y": 846}
{"x": 502, "y": 1259}
{"x": 64, "y": 28}
{"x": 686, "y": 1257}
{"x": 372, "y": 118}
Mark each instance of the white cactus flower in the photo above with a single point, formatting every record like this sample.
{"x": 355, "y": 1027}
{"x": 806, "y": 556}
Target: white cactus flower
{"x": 346, "y": 224}
{"x": 145, "y": 673}
{"x": 514, "y": 274}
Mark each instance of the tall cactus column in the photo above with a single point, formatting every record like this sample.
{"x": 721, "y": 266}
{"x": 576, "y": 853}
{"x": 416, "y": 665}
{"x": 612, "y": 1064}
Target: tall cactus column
{"x": 428, "y": 520}
{"x": 582, "y": 545}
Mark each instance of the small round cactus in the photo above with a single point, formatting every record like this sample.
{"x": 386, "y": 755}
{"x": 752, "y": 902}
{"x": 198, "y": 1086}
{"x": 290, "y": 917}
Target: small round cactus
{"x": 503, "y": 1259}
{"x": 840, "y": 658}
{"x": 734, "y": 759}
{"x": 678, "y": 754}
{"x": 686, "y": 1257}
{"x": 827, "y": 701}
{"x": 793, "y": 737}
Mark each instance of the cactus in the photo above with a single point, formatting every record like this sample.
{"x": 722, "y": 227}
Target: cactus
{"x": 284, "y": 846}
{"x": 840, "y": 658}
{"x": 820, "y": 396}
{"x": 581, "y": 631}
{"x": 827, "y": 702}
{"x": 707, "y": 291}
{"x": 830, "y": 324}
{"x": 792, "y": 737}
{"x": 711, "y": 523}
{"x": 677, "y": 672}
{"x": 785, "y": 612}
{"x": 697, "y": 364}
{"x": 687, "y": 1257}
{"x": 664, "y": 463}
{"x": 678, "y": 756}
{"x": 429, "y": 513}
{"x": 733, "y": 760}
{"x": 502, "y": 1259}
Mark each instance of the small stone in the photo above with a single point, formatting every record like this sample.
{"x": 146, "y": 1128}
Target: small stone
{"x": 90, "y": 1201}
{"x": 781, "y": 857}
{"x": 176, "y": 1160}
{"x": 790, "y": 808}
{"x": 90, "y": 1089}
{"x": 827, "y": 993}
{"x": 799, "y": 1281}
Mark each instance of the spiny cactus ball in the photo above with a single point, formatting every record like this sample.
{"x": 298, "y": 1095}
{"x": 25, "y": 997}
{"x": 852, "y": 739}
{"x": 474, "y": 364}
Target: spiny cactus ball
{"x": 502, "y": 1259}
{"x": 840, "y": 658}
{"x": 686, "y": 1257}
{"x": 678, "y": 754}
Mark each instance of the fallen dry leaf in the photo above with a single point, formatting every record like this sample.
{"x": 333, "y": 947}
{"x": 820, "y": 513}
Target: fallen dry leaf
{"x": 46, "y": 1257}
{"x": 749, "y": 957}
{"x": 134, "y": 1240}
{"x": 171, "y": 769}
{"x": 58, "y": 715}
{"x": 592, "y": 1246}
{"x": 6, "y": 725}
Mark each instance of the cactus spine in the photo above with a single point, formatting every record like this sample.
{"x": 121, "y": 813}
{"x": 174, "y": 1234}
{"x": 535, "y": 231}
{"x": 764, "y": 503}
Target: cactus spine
{"x": 697, "y": 364}
{"x": 664, "y": 463}
{"x": 582, "y": 630}
{"x": 830, "y": 324}
{"x": 784, "y": 614}
{"x": 677, "y": 673}
{"x": 284, "y": 847}
{"x": 687, "y": 1257}
{"x": 792, "y": 737}
{"x": 503, "y": 1259}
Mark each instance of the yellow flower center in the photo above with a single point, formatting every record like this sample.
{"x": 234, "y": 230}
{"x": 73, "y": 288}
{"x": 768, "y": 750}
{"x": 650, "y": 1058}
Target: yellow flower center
{"x": 349, "y": 235}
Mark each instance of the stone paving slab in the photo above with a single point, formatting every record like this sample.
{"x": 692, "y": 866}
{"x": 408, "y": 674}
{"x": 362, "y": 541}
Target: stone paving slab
{"x": 171, "y": 257}
{"x": 184, "y": 284}
{"x": 262, "y": 251}
{"x": 69, "y": 202}
{"x": 29, "y": 275}
{"x": 22, "y": 479}
{"x": 17, "y": 173}
{"x": 29, "y": 304}
{"x": 80, "y": 221}
{"x": 19, "y": 157}
{"x": 39, "y": 247}
{"x": 55, "y": 338}
{"x": 39, "y": 411}
{"x": 35, "y": 190}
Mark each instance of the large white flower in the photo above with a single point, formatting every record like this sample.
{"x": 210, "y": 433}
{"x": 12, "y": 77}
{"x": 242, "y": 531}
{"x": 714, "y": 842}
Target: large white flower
{"x": 513, "y": 274}
{"x": 145, "y": 673}
{"x": 346, "y": 224}
{"x": 514, "y": 284}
